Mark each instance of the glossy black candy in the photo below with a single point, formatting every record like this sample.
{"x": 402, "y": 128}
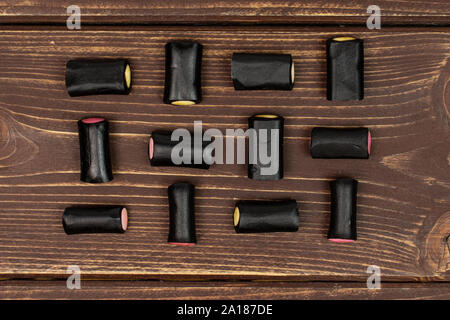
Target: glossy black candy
{"x": 340, "y": 143}
{"x": 95, "y": 158}
{"x": 182, "y": 214}
{"x": 345, "y": 69}
{"x": 343, "y": 210}
{"x": 161, "y": 146}
{"x": 183, "y": 73}
{"x": 251, "y": 71}
{"x": 266, "y": 216}
{"x": 261, "y": 170}
{"x": 104, "y": 76}
{"x": 95, "y": 220}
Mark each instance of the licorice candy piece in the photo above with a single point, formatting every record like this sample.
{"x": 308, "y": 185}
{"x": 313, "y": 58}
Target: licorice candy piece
{"x": 104, "y": 76}
{"x": 95, "y": 155}
{"x": 265, "y": 125}
{"x": 160, "y": 148}
{"x": 262, "y": 71}
{"x": 109, "y": 219}
{"x": 266, "y": 216}
{"x": 340, "y": 143}
{"x": 182, "y": 214}
{"x": 345, "y": 69}
{"x": 343, "y": 210}
{"x": 183, "y": 73}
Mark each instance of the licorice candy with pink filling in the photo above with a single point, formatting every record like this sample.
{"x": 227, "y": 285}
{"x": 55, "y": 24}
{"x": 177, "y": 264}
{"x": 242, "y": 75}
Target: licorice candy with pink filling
{"x": 343, "y": 210}
{"x": 101, "y": 219}
{"x": 340, "y": 143}
{"x": 95, "y": 158}
{"x": 182, "y": 214}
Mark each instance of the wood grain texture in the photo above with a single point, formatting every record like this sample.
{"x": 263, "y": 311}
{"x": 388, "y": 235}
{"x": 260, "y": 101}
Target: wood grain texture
{"x": 403, "y": 204}
{"x": 226, "y": 11}
{"x": 220, "y": 290}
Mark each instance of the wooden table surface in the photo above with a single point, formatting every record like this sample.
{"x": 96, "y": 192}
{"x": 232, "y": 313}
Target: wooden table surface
{"x": 403, "y": 198}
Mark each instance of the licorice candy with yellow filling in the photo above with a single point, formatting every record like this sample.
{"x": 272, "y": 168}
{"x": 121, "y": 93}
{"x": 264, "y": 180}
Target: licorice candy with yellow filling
{"x": 101, "y": 76}
{"x": 345, "y": 68}
{"x": 183, "y": 73}
{"x": 262, "y": 71}
{"x": 266, "y": 151}
{"x": 266, "y": 216}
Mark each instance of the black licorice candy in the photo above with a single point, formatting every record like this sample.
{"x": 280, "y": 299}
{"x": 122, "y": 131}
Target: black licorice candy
{"x": 109, "y": 219}
{"x": 103, "y": 76}
{"x": 265, "y": 126}
{"x": 160, "y": 149}
{"x": 183, "y": 73}
{"x": 343, "y": 210}
{"x": 95, "y": 158}
{"x": 340, "y": 143}
{"x": 345, "y": 69}
{"x": 266, "y": 216}
{"x": 265, "y": 71}
{"x": 182, "y": 214}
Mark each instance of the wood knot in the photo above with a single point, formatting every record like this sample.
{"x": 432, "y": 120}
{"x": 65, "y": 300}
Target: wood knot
{"x": 441, "y": 94}
{"x": 437, "y": 246}
{"x": 5, "y": 137}
{"x": 15, "y": 147}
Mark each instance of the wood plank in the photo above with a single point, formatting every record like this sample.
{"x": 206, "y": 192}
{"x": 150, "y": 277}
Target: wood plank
{"x": 220, "y": 290}
{"x": 229, "y": 11}
{"x": 403, "y": 204}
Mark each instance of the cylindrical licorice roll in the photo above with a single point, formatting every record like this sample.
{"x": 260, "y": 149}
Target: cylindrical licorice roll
{"x": 266, "y": 125}
{"x": 160, "y": 148}
{"x": 345, "y": 69}
{"x": 111, "y": 219}
{"x": 105, "y": 76}
{"x": 251, "y": 71}
{"x": 183, "y": 73}
{"x": 340, "y": 143}
{"x": 266, "y": 216}
{"x": 182, "y": 214}
{"x": 343, "y": 210}
{"x": 94, "y": 150}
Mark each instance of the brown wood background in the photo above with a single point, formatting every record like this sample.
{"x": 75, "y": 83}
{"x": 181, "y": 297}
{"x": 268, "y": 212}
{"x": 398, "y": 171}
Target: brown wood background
{"x": 221, "y": 290}
{"x": 403, "y": 199}
{"x": 227, "y": 11}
